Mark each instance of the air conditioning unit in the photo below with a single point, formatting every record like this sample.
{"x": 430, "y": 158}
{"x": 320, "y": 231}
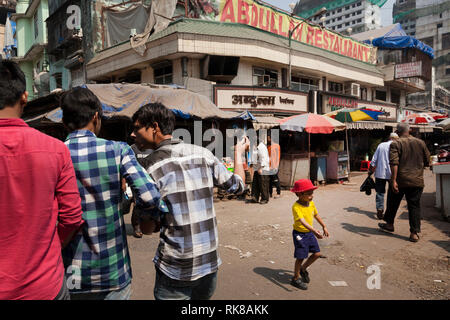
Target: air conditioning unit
{"x": 352, "y": 89}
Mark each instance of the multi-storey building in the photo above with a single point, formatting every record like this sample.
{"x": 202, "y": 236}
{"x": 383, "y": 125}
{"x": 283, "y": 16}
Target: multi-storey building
{"x": 403, "y": 12}
{"x": 31, "y": 35}
{"x": 7, "y": 7}
{"x": 359, "y": 15}
{"x": 433, "y": 28}
{"x": 65, "y": 47}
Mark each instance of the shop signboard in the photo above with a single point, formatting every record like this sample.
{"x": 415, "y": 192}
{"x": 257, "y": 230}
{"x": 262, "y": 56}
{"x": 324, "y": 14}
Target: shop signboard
{"x": 390, "y": 111}
{"x": 408, "y": 70}
{"x": 270, "y": 19}
{"x": 260, "y": 99}
{"x": 333, "y": 103}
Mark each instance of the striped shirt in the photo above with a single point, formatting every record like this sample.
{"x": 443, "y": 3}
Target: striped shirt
{"x": 100, "y": 252}
{"x": 186, "y": 175}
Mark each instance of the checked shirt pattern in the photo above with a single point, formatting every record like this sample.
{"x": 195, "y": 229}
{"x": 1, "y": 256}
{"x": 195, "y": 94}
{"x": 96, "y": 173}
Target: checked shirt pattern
{"x": 186, "y": 175}
{"x": 102, "y": 256}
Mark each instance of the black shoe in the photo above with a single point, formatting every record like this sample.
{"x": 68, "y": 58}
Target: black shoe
{"x": 264, "y": 202}
{"x": 299, "y": 284}
{"x": 305, "y": 276}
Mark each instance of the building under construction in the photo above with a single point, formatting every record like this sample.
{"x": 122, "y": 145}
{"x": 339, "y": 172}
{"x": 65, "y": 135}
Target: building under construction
{"x": 359, "y": 15}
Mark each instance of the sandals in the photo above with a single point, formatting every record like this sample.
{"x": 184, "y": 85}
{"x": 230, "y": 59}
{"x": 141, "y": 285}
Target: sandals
{"x": 413, "y": 239}
{"x": 304, "y": 275}
{"x": 384, "y": 227}
{"x": 137, "y": 233}
{"x": 299, "y": 284}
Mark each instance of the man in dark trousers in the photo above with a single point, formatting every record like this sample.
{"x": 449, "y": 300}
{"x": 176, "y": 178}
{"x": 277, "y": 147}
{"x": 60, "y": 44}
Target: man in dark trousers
{"x": 407, "y": 157}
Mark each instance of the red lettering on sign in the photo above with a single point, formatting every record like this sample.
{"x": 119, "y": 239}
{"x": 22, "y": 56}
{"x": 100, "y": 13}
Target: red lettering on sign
{"x": 272, "y": 23}
{"x": 325, "y": 40}
{"x": 254, "y": 22}
{"x": 243, "y": 12}
{"x": 360, "y": 52}
{"x": 318, "y": 38}
{"x": 340, "y": 46}
{"x": 336, "y": 44}
{"x": 310, "y": 35}
{"x": 280, "y": 26}
{"x": 366, "y": 54}
{"x": 349, "y": 48}
{"x": 228, "y": 12}
{"x": 261, "y": 19}
{"x": 355, "y": 51}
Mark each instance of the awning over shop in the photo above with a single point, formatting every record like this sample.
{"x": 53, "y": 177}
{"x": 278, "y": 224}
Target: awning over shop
{"x": 265, "y": 122}
{"x": 422, "y": 128}
{"x": 125, "y": 99}
{"x": 366, "y": 125}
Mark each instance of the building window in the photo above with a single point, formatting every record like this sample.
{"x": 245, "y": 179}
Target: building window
{"x": 380, "y": 95}
{"x": 359, "y": 12}
{"x": 347, "y": 24}
{"x": 163, "y": 73}
{"x": 347, "y": 7}
{"x": 265, "y": 77}
{"x": 428, "y": 41}
{"x": 446, "y": 41}
{"x": 339, "y": 26}
{"x": 439, "y": 25}
{"x": 339, "y": 10}
{"x": 447, "y": 71}
{"x": 395, "y": 96}
{"x": 339, "y": 18}
{"x": 363, "y": 93}
{"x": 36, "y": 25}
{"x": 58, "y": 79}
{"x": 358, "y": 4}
{"x": 335, "y": 87}
{"x": 303, "y": 84}
{"x": 347, "y": 16}
{"x": 359, "y": 20}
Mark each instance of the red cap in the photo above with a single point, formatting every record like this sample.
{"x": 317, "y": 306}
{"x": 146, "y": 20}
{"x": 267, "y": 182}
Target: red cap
{"x": 303, "y": 185}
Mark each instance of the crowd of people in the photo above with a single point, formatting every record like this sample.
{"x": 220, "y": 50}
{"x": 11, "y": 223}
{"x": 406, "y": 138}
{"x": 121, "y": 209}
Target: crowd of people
{"x": 63, "y": 235}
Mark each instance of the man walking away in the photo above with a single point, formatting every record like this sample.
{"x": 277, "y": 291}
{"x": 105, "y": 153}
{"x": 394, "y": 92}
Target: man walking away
{"x": 408, "y": 156}
{"x": 261, "y": 173}
{"x": 380, "y": 165}
{"x": 102, "y": 256}
{"x": 187, "y": 259}
{"x": 40, "y": 207}
{"x": 274, "y": 162}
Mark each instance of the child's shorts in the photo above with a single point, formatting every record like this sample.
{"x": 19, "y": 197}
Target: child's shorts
{"x": 304, "y": 243}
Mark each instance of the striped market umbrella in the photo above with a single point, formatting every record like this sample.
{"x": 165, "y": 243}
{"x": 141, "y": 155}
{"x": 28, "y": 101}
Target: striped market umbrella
{"x": 417, "y": 118}
{"x": 353, "y": 115}
{"x": 436, "y": 115}
{"x": 311, "y": 123}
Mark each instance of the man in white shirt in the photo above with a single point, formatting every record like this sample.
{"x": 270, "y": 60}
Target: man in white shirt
{"x": 261, "y": 175}
{"x": 380, "y": 165}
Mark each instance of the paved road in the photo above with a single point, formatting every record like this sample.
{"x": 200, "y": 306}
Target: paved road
{"x": 262, "y": 234}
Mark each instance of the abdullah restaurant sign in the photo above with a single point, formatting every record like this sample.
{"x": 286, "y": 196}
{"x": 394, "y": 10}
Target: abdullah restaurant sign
{"x": 266, "y": 18}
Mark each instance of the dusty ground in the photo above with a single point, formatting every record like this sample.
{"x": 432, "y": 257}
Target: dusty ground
{"x": 257, "y": 251}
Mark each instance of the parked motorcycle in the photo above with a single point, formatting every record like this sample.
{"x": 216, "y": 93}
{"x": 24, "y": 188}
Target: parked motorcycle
{"x": 443, "y": 153}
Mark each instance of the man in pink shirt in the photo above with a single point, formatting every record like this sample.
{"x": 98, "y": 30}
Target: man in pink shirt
{"x": 40, "y": 206}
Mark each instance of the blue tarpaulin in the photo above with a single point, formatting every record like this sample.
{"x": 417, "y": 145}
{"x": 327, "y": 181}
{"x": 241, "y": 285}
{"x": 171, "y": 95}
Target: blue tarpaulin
{"x": 401, "y": 42}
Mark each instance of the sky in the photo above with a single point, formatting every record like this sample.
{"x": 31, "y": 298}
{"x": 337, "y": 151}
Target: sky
{"x": 386, "y": 10}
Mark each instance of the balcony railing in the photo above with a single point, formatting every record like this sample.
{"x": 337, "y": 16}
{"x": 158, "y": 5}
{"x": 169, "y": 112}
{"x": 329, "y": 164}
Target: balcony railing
{"x": 303, "y": 87}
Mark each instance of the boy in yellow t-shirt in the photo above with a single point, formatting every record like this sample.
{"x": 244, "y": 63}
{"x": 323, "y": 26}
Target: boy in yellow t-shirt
{"x": 304, "y": 233}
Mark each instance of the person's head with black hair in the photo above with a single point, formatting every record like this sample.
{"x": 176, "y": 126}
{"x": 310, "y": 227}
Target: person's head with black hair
{"x": 81, "y": 110}
{"x": 152, "y": 124}
{"x": 13, "y": 94}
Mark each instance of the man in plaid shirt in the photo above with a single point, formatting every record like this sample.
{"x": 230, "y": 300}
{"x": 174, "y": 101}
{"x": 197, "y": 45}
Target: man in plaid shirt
{"x": 186, "y": 260}
{"x": 97, "y": 260}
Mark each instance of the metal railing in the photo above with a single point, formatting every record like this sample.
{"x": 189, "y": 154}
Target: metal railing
{"x": 303, "y": 87}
